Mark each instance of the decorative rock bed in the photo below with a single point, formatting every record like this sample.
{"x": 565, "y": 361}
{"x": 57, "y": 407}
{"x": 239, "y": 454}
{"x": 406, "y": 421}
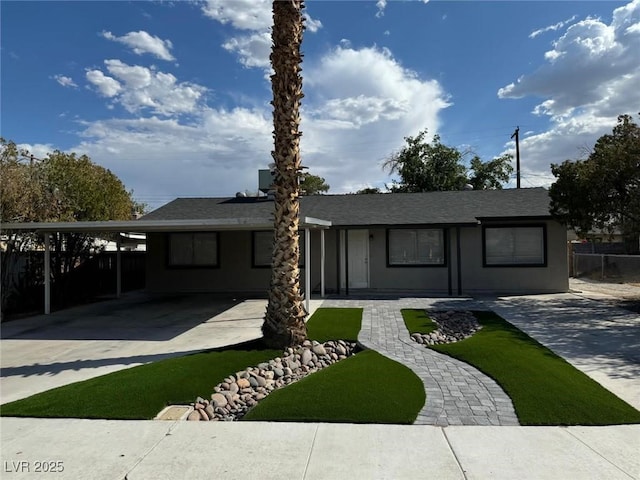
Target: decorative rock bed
{"x": 236, "y": 394}
{"x": 453, "y": 326}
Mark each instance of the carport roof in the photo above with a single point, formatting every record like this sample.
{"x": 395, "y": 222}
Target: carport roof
{"x": 167, "y": 225}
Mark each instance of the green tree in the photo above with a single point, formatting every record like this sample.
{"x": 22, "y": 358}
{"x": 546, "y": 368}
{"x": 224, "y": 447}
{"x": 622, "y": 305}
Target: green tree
{"x": 602, "y": 191}
{"x": 313, "y": 184}
{"x": 60, "y": 187}
{"x": 284, "y": 322}
{"x": 492, "y": 174}
{"x": 428, "y": 167}
{"x": 368, "y": 191}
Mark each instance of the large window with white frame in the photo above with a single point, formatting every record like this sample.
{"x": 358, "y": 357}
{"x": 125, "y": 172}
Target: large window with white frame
{"x": 193, "y": 249}
{"x": 263, "y": 249}
{"x": 408, "y": 247}
{"x": 518, "y": 246}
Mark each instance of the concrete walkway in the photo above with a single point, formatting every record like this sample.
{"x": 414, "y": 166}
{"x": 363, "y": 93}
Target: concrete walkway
{"x": 457, "y": 393}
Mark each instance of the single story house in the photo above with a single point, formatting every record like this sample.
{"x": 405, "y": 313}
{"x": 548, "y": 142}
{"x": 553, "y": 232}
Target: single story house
{"x": 442, "y": 243}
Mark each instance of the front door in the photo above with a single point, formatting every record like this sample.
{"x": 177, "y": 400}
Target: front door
{"x": 358, "y": 275}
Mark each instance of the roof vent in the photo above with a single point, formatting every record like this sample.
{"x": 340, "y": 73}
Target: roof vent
{"x": 240, "y": 195}
{"x": 468, "y": 186}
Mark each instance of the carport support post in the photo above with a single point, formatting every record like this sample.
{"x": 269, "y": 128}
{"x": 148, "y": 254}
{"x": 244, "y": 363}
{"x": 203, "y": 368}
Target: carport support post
{"x": 322, "y": 259}
{"x": 307, "y": 269}
{"x": 47, "y": 274}
{"x": 118, "y": 268}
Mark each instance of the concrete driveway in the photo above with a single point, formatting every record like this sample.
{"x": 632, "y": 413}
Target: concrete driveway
{"x": 43, "y": 352}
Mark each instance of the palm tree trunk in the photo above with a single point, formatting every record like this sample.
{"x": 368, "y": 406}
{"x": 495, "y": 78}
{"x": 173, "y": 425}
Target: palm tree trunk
{"x": 284, "y": 322}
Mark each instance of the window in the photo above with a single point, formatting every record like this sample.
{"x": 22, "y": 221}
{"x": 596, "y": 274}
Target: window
{"x": 515, "y": 246}
{"x": 193, "y": 250}
{"x": 415, "y": 247}
{"x": 263, "y": 249}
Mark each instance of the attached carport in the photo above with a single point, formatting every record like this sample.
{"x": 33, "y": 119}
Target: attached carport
{"x": 151, "y": 226}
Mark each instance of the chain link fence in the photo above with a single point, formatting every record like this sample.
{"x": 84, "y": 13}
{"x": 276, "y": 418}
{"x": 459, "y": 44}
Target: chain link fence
{"x": 607, "y": 267}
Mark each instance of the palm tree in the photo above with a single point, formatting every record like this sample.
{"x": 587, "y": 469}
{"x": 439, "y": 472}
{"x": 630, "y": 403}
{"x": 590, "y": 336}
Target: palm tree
{"x": 284, "y": 322}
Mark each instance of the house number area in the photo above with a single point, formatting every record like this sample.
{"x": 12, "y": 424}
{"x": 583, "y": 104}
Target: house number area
{"x": 39, "y": 466}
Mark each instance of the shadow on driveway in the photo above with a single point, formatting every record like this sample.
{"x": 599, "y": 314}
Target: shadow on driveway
{"x": 48, "y": 351}
{"x": 135, "y": 317}
{"x": 589, "y": 332}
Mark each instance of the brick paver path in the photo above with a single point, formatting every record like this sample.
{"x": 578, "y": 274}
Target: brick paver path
{"x": 457, "y": 394}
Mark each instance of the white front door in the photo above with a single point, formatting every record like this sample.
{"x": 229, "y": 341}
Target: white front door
{"x": 358, "y": 275}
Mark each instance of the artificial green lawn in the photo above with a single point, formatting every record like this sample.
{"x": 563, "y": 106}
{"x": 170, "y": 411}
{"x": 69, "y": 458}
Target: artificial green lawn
{"x": 364, "y": 388}
{"x": 417, "y": 321}
{"x": 141, "y": 392}
{"x": 544, "y": 388}
{"x": 335, "y": 324}
{"x": 347, "y": 391}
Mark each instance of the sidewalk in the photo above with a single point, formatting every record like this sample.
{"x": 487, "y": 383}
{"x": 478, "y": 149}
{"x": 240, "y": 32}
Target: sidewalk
{"x": 148, "y": 450}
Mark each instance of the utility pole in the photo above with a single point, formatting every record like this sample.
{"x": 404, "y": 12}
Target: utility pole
{"x": 517, "y": 135}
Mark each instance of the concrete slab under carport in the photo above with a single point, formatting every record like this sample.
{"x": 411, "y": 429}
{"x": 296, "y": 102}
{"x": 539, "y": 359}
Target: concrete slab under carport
{"x": 48, "y": 351}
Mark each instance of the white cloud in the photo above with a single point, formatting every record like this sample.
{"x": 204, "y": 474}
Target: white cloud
{"x": 65, "y": 81}
{"x": 311, "y": 25}
{"x": 584, "y": 62}
{"x": 107, "y": 86}
{"x": 350, "y": 123}
{"x": 137, "y": 88}
{"x": 164, "y": 158}
{"x": 353, "y": 122}
{"x": 361, "y": 110}
{"x": 253, "y": 50}
{"x": 552, "y": 28}
{"x": 142, "y": 42}
{"x": 38, "y": 150}
{"x": 589, "y": 78}
{"x": 241, "y": 14}
{"x": 381, "y": 5}
{"x": 255, "y": 16}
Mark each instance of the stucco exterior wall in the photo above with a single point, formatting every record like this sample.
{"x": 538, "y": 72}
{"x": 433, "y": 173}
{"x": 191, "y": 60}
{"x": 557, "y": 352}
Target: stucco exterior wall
{"x": 431, "y": 279}
{"x": 477, "y": 278}
{"x": 236, "y": 274}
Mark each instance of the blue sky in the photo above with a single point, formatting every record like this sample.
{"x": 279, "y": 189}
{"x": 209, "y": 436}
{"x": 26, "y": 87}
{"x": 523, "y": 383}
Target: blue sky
{"x": 173, "y": 97}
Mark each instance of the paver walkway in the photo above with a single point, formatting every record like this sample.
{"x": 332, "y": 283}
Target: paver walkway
{"x": 457, "y": 394}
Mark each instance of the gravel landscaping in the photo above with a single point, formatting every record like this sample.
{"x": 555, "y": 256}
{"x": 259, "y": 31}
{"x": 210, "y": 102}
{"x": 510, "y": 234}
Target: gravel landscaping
{"x": 453, "y": 326}
{"x": 235, "y": 395}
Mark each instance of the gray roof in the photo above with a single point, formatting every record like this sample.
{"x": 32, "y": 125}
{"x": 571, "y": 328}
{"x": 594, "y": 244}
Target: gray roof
{"x": 431, "y": 208}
